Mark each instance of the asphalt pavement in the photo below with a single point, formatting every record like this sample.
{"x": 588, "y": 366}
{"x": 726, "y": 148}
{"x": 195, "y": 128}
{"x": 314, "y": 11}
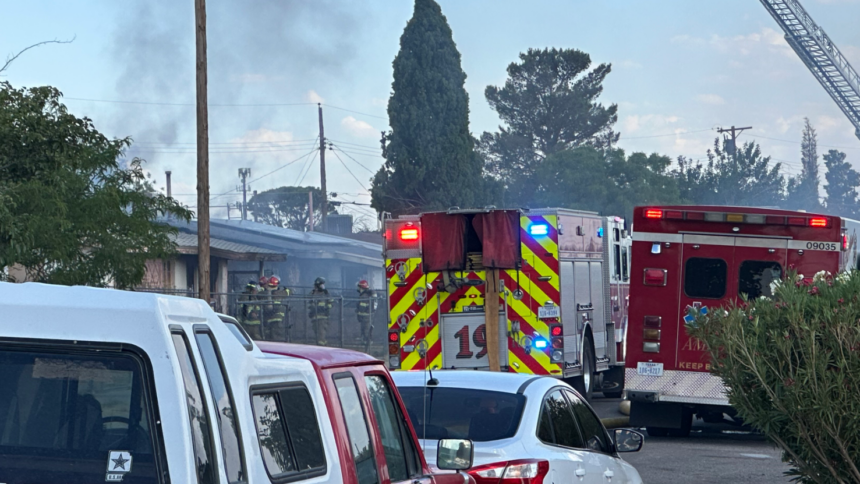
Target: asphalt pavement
{"x": 713, "y": 453}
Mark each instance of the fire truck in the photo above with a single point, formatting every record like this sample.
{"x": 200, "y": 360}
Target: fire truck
{"x": 562, "y": 293}
{"x": 690, "y": 260}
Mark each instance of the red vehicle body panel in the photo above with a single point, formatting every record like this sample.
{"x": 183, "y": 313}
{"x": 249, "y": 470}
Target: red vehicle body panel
{"x": 328, "y": 362}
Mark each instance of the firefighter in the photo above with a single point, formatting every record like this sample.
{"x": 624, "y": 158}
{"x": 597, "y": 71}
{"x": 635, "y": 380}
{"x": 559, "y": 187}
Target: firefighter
{"x": 250, "y": 311}
{"x": 319, "y": 310}
{"x": 363, "y": 312}
{"x": 276, "y": 310}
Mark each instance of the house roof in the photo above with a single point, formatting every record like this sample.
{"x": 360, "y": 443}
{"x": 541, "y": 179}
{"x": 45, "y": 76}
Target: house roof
{"x": 186, "y": 243}
{"x": 293, "y": 243}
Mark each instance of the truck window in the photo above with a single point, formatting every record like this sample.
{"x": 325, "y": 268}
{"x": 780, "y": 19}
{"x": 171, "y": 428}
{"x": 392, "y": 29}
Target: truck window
{"x": 705, "y": 278}
{"x": 198, "y": 412}
{"x": 288, "y": 432}
{"x": 74, "y": 417}
{"x": 356, "y": 426}
{"x": 625, "y": 268}
{"x": 617, "y": 260}
{"x": 755, "y": 276}
{"x": 228, "y": 426}
{"x": 400, "y": 452}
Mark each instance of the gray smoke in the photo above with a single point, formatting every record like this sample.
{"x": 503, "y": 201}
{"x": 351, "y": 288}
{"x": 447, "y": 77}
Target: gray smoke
{"x": 259, "y": 51}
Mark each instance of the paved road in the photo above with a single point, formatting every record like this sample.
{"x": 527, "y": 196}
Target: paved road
{"x": 713, "y": 453}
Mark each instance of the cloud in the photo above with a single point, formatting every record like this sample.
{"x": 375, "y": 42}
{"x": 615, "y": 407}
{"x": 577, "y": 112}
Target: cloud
{"x": 747, "y": 44}
{"x": 653, "y": 122}
{"x": 263, "y": 136}
{"x": 628, "y": 64}
{"x": 792, "y": 123}
{"x": 358, "y": 128}
{"x": 313, "y": 97}
{"x": 712, "y": 99}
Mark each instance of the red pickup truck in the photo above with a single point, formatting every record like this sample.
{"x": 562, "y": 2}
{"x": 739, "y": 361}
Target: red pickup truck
{"x": 364, "y": 406}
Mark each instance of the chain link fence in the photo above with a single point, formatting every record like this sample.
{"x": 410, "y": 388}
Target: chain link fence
{"x": 343, "y": 328}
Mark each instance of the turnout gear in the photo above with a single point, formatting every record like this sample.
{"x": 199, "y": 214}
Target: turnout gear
{"x": 250, "y": 311}
{"x": 277, "y": 313}
{"x": 364, "y": 309}
{"x": 319, "y": 309}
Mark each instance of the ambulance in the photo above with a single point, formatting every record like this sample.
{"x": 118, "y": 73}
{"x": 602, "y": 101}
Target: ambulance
{"x": 561, "y": 277}
{"x": 691, "y": 260}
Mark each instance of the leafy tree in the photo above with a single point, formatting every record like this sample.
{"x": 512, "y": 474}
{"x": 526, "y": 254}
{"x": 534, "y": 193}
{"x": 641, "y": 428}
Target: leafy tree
{"x": 72, "y": 210}
{"x": 791, "y": 366}
{"x": 742, "y": 178}
{"x": 612, "y": 187}
{"x": 842, "y": 183}
{"x": 803, "y": 189}
{"x": 430, "y": 162}
{"x": 287, "y": 207}
{"x": 548, "y": 104}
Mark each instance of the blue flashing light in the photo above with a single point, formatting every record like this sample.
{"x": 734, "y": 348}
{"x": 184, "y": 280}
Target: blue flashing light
{"x": 600, "y": 232}
{"x": 539, "y": 229}
{"x": 540, "y": 343}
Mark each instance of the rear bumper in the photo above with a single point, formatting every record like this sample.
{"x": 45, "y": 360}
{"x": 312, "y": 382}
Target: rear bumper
{"x": 677, "y": 387}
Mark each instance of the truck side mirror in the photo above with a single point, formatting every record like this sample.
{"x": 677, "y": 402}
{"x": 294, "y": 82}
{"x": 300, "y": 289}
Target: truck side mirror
{"x": 627, "y": 440}
{"x": 455, "y": 454}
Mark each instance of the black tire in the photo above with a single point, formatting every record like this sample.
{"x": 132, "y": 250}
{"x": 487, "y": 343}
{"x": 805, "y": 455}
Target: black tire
{"x": 585, "y": 386}
{"x": 686, "y": 425}
{"x": 657, "y": 431}
{"x": 615, "y": 375}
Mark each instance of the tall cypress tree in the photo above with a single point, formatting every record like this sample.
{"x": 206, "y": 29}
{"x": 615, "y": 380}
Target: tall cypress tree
{"x": 803, "y": 189}
{"x": 430, "y": 161}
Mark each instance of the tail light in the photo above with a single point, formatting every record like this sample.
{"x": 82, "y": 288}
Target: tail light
{"x": 394, "y": 350}
{"x": 653, "y": 213}
{"x": 820, "y": 222}
{"x": 408, "y": 234}
{"x": 844, "y": 242}
{"x": 525, "y": 471}
{"x": 556, "y": 335}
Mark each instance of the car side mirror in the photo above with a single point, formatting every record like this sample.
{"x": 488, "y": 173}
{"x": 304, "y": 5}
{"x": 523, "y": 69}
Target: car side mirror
{"x": 455, "y": 454}
{"x": 627, "y": 440}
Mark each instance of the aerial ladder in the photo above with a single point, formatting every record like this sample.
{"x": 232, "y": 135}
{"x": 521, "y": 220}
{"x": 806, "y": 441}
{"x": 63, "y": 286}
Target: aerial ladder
{"x": 820, "y": 55}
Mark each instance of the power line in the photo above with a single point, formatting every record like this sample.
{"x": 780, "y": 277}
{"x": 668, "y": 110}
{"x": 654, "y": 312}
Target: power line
{"x": 238, "y": 143}
{"x": 355, "y": 144}
{"x": 283, "y": 166}
{"x": 221, "y": 105}
{"x": 798, "y": 142}
{"x": 310, "y": 163}
{"x": 224, "y": 152}
{"x": 665, "y": 135}
{"x": 348, "y": 170}
{"x": 353, "y": 159}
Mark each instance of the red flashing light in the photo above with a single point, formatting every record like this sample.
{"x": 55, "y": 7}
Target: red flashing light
{"x": 393, "y": 337}
{"x": 797, "y": 221}
{"x": 653, "y": 213}
{"x": 774, "y": 220}
{"x": 555, "y": 331}
{"x": 408, "y": 234}
{"x": 844, "y": 242}
{"x": 655, "y": 277}
{"x": 674, "y": 214}
{"x": 558, "y": 343}
{"x": 695, "y": 215}
{"x": 820, "y": 222}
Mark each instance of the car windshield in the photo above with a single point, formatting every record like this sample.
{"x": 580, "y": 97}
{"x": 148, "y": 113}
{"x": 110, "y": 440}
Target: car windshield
{"x": 460, "y": 413}
{"x": 73, "y": 418}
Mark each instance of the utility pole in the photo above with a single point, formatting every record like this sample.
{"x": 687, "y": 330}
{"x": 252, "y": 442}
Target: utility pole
{"x": 244, "y": 173}
{"x": 324, "y": 204}
{"x": 310, "y": 211}
{"x": 735, "y": 133}
{"x": 202, "y": 154}
{"x": 169, "y": 192}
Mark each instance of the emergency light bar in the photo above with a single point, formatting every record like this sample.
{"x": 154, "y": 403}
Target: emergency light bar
{"x": 747, "y": 218}
{"x": 539, "y": 229}
{"x": 408, "y": 234}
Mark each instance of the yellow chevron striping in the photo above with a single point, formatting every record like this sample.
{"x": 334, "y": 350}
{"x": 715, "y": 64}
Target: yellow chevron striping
{"x": 540, "y": 267}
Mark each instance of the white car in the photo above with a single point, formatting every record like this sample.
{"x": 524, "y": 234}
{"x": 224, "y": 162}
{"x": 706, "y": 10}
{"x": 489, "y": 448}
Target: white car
{"x": 536, "y": 430}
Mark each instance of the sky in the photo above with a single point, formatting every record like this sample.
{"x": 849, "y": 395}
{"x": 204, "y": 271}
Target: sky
{"x": 680, "y": 69}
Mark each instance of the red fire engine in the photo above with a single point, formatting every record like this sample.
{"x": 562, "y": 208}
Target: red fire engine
{"x": 689, "y": 260}
{"x": 562, "y": 300}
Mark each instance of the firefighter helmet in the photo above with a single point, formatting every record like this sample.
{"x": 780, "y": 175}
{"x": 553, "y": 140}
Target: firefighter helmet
{"x": 319, "y": 281}
{"x": 274, "y": 282}
{"x": 362, "y": 284}
{"x": 251, "y": 285}
{"x": 264, "y": 280}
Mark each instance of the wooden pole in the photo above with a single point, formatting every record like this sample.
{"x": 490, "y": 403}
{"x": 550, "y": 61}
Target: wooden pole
{"x": 310, "y": 211}
{"x": 324, "y": 203}
{"x": 491, "y": 317}
{"x": 202, "y": 153}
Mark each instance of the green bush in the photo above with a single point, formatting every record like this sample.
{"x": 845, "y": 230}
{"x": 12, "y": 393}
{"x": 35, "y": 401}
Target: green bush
{"x": 792, "y": 366}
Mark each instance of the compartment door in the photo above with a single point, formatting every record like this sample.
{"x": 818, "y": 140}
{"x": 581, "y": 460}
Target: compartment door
{"x": 598, "y": 322}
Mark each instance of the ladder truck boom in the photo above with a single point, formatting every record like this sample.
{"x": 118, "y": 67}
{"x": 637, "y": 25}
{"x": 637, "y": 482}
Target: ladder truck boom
{"x": 820, "y": 55}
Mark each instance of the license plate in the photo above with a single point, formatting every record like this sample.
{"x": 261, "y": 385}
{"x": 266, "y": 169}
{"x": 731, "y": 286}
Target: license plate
{"x": 546, "y": 312}
{"x": 649, "y": 368}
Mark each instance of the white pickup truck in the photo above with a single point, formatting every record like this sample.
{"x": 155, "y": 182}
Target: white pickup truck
{"x": 98, "y": 385}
